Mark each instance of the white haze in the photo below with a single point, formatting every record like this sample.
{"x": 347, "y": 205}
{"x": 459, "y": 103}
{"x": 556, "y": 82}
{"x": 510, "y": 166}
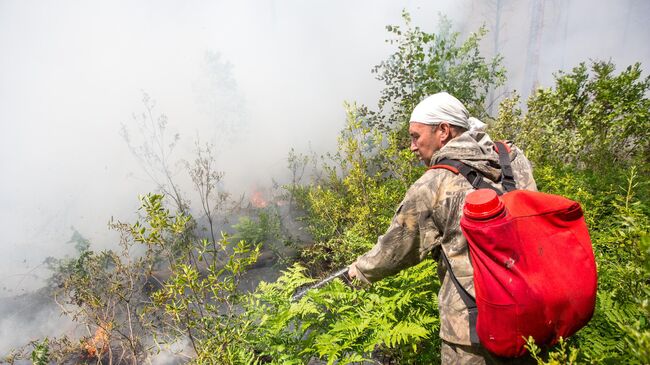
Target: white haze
{"x": 254, "y": 77}
{"x": 73, "y": 72}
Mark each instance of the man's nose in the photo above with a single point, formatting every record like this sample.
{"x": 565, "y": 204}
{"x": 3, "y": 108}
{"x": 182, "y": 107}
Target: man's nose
{"x": 413, "y": 146}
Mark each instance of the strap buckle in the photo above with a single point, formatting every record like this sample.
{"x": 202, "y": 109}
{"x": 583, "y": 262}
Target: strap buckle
{"x": 476, "y": 179}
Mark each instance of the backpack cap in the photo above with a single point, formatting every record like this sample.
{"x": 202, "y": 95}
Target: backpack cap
{"x": 482, "y": 204}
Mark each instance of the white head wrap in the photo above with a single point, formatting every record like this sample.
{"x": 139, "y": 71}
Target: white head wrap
{"x": 442, "y": 107}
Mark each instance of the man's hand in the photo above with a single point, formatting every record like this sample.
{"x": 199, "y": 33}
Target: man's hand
{"x": 352, "y": 271}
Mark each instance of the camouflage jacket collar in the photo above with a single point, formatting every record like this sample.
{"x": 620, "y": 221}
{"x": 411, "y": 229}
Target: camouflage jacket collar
{"x": 475, "y": 149}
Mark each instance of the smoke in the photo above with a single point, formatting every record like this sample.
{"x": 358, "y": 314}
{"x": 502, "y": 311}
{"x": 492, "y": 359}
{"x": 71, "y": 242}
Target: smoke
{"x": 175, "y": 353}
{"x": 252, "y": 78}
{"x": 539, "y": 37}
{"x": 31, "y": 317}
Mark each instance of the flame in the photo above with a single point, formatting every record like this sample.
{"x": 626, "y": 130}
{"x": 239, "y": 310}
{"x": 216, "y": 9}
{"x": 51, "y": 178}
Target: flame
{"x": 257, "y": 199}
{"x": 94, "y": 347}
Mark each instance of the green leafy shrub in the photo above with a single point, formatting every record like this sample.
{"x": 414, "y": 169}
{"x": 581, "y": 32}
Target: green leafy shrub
{"x": 205, "y": 305}
{"x": 591, "y": 120}
{"x": 427, "y": 63}
{"x": 133, "y": 311}
{"x": 266, "y": 229}
{"x": 200, "y": 300}
{"x": 41, "y": 353}
{"x": 343, "y": 325}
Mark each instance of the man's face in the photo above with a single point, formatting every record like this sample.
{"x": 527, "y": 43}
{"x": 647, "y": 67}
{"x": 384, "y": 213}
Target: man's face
{"x": 425, "y": 140}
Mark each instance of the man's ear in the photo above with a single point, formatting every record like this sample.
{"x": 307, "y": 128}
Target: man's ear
{"x": 445, "y": 132}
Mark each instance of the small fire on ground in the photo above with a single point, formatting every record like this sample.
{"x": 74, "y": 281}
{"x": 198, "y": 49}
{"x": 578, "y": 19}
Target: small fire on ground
{"x": 96, "y": 346}
{"x": 257, "y": 199}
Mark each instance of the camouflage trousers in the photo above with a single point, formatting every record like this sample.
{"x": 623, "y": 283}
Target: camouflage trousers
{"x": 454, "y": 354}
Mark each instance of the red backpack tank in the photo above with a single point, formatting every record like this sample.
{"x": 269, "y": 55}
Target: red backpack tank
{"x": 534, "y": 268}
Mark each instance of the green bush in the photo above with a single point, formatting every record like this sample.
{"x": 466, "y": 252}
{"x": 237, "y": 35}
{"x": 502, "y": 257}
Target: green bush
{"x": 355, "y": 199}
{"x": 427, "y": 63}
{"x": 344, "y": 325}
{"x": 41, "y": 353}
{"x": 590, "y": 120}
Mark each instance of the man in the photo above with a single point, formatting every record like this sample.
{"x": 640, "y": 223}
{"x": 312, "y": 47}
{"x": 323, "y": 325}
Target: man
{"x": 428, "y": 219}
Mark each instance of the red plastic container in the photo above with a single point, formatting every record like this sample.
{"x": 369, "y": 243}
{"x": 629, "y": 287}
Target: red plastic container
{"x": 534, "y": 268}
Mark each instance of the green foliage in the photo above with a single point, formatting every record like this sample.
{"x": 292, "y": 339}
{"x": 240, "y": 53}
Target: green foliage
{"x": 561, "y": 356}
{"x": 590, "y": 120}
{"x": 265, "y": 230}
{"x": 62, "y": 267}
{"x": 354, "y": 201}
{"x": 41, "y": 353}
{"x": 200, "y": 299}
{"x": 620, "y": 326}
{"x": 105, "y": 290}
{"x": 115, "y": 292}
{"x": 203, "y": 305}
{"x": 81, "y": 243}
{"x": 342, "y": 325}
{"x": 165, "y": 235}
{"x": 427, "y": 63}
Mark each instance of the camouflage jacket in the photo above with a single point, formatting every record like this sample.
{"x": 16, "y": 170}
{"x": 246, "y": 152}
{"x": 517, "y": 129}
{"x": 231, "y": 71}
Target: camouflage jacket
{"x": 428, "y": 219}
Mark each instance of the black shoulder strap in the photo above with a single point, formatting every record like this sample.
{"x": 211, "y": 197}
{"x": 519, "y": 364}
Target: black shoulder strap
{"x": 507, "y": 176}
{"x": 474, "y": 177}
{"x": 469, "y": 301}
